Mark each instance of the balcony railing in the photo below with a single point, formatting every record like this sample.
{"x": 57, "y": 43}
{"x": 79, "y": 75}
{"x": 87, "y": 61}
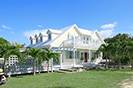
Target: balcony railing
{"x": 78, "y": 43}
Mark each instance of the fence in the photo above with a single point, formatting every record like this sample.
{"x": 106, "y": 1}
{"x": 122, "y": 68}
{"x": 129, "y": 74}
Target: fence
{"x": 23, "y": 67}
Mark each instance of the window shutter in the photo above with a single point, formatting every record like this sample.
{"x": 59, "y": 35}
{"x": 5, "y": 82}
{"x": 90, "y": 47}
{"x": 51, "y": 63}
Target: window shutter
{"x": 77, "y": 54}
{"x": 67, "y": 54}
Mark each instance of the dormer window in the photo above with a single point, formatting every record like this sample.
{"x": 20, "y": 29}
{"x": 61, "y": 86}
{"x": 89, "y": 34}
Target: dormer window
{"x": 69, "y": 36}
{"x": 36, "y": 40}
{"x": 49, "y": 36}
{"x": 41, "y": 39}
{"x": 31, "y": 42}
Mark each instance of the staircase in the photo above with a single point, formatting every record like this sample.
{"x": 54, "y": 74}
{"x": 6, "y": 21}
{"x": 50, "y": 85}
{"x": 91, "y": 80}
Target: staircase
{"x": 69, "y": 70}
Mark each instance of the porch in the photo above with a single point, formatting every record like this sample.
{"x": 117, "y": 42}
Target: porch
{"x": 82, "y": 44}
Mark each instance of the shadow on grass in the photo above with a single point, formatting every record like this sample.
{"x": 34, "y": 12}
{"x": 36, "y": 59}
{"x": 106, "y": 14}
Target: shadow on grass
{"x": 61, "y": 87}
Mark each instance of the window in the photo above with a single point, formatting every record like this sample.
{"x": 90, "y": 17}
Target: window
{"x": 36, "y": 40}
{"x": 69, "y": 54}
{"x": 93, "y": 54}
{"x": 84, "y": 38}
{"x": 41, "y": 38}
{"x": 31, "y": 41}
{"x": 87, "y": 38}
{"x": 79, "y": 37}
{"x": 77, "y": 54}
{"x": 49, "y": 36}
{"x": 82, "y": 55}
{"x": 69, "y": 36}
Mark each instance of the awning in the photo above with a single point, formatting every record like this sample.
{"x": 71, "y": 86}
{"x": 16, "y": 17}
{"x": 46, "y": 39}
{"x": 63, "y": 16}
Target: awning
{"x": 63, "y": 48}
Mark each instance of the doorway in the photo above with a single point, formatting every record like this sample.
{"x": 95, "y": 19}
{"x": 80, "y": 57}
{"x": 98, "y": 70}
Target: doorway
{"x": 85, "y": 55}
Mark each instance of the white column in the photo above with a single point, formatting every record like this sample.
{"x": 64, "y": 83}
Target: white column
{"x": 60, "y": 60}
{"x": 89, "y": 55}
{"x": 51, "y": 64}
{"x": 74, "y": 59}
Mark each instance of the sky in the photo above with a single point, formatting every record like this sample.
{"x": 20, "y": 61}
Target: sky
{"x": 21, "y": 18}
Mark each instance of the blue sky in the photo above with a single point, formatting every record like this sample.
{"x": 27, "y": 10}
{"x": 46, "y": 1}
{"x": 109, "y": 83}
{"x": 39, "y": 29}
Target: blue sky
{"x": 21, "y": 18}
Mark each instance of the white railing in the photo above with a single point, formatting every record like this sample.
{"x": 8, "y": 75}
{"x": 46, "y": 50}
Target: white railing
{"x": 77, "y": 43}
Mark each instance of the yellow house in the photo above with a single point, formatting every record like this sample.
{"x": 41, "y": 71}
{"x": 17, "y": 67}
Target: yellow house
{"x": 72, "y": 43}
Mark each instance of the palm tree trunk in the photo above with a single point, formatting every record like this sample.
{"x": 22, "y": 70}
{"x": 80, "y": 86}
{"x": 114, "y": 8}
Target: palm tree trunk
{"x": 4, "y": 65}
{"x": 106, "y": 64}
{"x": 34, "y": 69}
{"x": 119, "y": 63}
{"x": 39, "y": 69}
{"x": 48, "y": 68}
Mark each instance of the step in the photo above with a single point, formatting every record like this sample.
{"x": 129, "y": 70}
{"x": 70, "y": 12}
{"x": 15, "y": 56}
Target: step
{"x": 59, "y": 71}
{"x": 69, "y": 70}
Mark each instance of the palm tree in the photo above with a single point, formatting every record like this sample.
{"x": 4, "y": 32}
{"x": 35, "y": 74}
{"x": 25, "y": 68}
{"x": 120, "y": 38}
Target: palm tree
{"x": 104, "y": 48}
{"x": 49, "y": 55}
{"x": 120, "y": 51}
{"x": 41, "y": 58}
{"x": 7, "y": 50}
{"x": 35, "y": 54}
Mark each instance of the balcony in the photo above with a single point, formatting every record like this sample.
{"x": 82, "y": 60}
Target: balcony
{"x": 82, "y": 44}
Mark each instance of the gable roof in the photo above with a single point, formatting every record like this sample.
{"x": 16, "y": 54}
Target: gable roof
{"x": 61, "y": 32}
{"x": 54, "y": 31}
{"x": 48, "y": 42}
{"x": 85, "y": 32}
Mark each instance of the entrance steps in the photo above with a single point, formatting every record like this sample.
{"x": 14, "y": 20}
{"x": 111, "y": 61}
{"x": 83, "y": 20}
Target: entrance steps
{"x": 70, "y": 70}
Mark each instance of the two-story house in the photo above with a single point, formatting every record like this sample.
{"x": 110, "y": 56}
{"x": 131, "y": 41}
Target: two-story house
{"x": 72, "y": 43}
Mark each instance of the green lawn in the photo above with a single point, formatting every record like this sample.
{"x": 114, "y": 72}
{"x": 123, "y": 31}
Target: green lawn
{"x": 86, "y": 79}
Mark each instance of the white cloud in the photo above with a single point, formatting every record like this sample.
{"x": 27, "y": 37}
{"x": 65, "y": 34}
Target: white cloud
{"x": 40, "y": 26}
{"x": 108, "y": 30}
{"x": 6, "y": 27}
{"x": 106, "y": 33}
{"x": 27, "y": 34}
{"x": 107, "y": 26}
{"x": 12, "y": 32}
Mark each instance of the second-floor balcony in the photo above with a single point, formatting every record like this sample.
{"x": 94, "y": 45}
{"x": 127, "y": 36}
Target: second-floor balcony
{"x": 82, "y": 44}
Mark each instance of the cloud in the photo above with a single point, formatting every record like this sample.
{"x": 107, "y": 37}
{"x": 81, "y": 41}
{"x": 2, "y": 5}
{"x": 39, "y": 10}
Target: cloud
{"x": 108, "y": 30}
{"x": 106, "y": 33}
{"x": 27, "y": 34}
{"x": 12, "y": 32}
{"x": 40, "y": 26}
{"x": 3, "y": 26}
{"x": 109, "y": 26}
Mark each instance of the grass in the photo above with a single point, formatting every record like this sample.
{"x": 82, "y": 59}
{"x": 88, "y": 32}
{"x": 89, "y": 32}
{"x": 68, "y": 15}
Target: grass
{"x": 86, "y": 79}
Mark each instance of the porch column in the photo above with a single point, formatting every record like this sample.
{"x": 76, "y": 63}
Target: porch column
{"x": 89, "y": 55}
{"x": 51, "y": 64}
{"x": 60, "y": 60}
{"x": 74, "y": 59}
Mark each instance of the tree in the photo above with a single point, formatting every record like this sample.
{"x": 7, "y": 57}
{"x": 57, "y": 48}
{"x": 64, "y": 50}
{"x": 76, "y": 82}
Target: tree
{"x": 120, "y": 52}
{"x": 130, "y": 52}
{"x": 35, "y": 54}
{"x": 42, "y": 57}
{"x": 104, "y": 48}
{"x": 49, "y": 55}
{"x": 6, "y": 50}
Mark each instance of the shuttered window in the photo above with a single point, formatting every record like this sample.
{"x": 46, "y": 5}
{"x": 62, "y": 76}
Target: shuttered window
{"x": 77, "y": 54}
{"x": 69, "y": 54}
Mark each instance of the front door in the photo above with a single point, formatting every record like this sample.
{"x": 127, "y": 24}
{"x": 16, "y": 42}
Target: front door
{"x": 85, "y": 56}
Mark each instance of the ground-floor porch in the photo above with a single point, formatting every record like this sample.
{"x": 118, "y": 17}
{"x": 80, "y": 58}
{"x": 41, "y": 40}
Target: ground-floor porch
{"x": 76, "y": 57}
